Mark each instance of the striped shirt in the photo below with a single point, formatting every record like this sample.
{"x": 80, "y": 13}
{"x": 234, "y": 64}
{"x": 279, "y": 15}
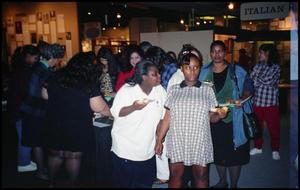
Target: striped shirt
{"x": 266, "y": 81}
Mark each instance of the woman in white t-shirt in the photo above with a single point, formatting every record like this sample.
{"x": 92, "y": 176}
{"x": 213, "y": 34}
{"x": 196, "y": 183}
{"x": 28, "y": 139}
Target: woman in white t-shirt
{"x": 138, "y": 108}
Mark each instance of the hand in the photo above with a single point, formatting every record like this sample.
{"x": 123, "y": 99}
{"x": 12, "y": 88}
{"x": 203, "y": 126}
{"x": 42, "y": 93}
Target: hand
{"x": 222, "y": 112}
{"x": 158, "y": 148}
{"x": 238, "y": 103}
{"x": 139, "y": 104}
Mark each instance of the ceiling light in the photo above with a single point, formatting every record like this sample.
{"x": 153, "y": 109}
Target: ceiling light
{"x": 250, "y": 22}
{"x": 181, "y": 21}
{"x": 198, "y": 23}
{"x": 207, "y": 17}
{"x": 119, "y": 15}
{"x": 89, "y": 13}
{"x": 103, "y": 28}
{"x": 204, "y": 22}
{"x": 230, "y": 6}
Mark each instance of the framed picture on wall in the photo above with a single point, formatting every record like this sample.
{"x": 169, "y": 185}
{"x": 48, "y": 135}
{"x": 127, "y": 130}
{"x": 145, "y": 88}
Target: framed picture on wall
{"x": 33, "y": 37}
{"x": 18, "y": 26}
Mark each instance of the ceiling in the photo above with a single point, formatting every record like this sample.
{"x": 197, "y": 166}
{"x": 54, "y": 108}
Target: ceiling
{"x": 200, "y": 8}
{"x": 168, "y": 11}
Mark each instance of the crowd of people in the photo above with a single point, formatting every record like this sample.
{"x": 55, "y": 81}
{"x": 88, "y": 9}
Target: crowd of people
{"x": 171, "y": 116}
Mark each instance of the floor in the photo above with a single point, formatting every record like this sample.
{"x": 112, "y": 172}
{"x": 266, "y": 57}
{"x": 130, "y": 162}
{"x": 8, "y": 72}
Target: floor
{"x": 262, "y": 171}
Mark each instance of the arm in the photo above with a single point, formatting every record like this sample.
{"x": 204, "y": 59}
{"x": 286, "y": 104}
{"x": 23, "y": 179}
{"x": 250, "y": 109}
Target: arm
{"x": 271, "y": 78}
{"x": 97, "y": 104}
{"x": 44, "y": 93}
{"x": 129, "y": 109}
{"x": 161, "y": 132}
{"x": 217, "y": 116}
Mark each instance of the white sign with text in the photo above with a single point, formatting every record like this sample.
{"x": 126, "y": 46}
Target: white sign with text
{"x": 264, "y": 10}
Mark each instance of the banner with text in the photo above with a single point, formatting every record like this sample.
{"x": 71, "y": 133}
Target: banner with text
{"x": 264, "y": 10}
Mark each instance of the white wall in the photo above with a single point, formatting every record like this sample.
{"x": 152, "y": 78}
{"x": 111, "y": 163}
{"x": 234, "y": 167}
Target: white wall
{"x": 173, "y": 41}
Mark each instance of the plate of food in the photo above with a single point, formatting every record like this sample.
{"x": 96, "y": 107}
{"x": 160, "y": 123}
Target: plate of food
{"x": 220, "y": 109}
{"x": 145, "y": 101}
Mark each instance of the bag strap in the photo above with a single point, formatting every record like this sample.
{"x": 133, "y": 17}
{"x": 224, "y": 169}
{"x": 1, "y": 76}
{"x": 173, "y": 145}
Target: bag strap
{"x": 236, "y": 83}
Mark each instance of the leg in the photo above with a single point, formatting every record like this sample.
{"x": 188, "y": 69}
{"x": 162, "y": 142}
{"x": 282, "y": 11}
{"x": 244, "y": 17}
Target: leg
{"x": 144, "y": 173}
{"x": 200, "y": 174}
{"x": 55, "y": 160}
{"x": 234, "y": 172}
{"x": 39, "y": 158}
{"x": 103, "y": 157}
{"x": 122, "y": 172}
{"x": 259, "y": 112}
{"x": 222, "y": 175}
{"x": 24, "y": 152}
{"x": 73, "y": 161}
{"x": 273, "y": 123}
{"x": 176, "y": 172}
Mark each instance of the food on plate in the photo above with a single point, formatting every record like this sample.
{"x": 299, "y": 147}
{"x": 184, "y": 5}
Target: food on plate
{"x": 214, "y": 109}
{"x": 225, "y": 109}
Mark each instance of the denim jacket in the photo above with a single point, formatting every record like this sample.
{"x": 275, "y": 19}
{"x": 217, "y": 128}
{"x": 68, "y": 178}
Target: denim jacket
{"x": 244, "y": 83}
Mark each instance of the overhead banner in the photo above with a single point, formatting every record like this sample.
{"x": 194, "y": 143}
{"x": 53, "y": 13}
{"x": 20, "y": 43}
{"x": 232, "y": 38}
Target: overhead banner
{"x": 264, "y": 10}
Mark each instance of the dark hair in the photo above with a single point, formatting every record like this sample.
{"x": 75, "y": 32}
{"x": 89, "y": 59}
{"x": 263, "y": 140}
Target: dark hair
{"x": 106, "y": 53}
{"x": 186, "y": 49}
{"x": 242, "y": 51}
{"x": 157, "y": 56}
{"x": 140, "y": 69}
{"x": 273, "y": 57}
{"x": 92, "y": 55}
{"x": 125, "y": 57}
{"x": 186, "y": 58}
{"x": 52, "y": 51}
{"x": 172, "y": 57}
{"x": 217, "y": 43}
{"x": 18, "y": 58}
{"x": 145, "y": 45}
{"x": 79, "y": 70}
{"x": 42, "y": 45}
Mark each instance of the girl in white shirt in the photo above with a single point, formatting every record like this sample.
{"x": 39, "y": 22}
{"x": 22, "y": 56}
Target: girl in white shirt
{"x": 137, "y": 109}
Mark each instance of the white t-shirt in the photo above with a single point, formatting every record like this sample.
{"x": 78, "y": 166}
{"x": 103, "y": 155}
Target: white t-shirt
{"x": 133, "y": 136}
{"x": 176, "y": 78}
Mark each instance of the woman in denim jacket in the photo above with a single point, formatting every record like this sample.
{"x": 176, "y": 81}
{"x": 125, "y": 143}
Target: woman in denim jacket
{"x": 231, "y": 147}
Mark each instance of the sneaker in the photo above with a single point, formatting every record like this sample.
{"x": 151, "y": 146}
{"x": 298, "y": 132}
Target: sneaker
{"x": 275, "y": 155}
{"x": 27, "y": 168}
{"x": 255, "y": 151}
{"x": 32, "y": 163}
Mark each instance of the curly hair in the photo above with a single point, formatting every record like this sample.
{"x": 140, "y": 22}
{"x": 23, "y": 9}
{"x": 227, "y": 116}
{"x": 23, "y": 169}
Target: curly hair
{"x": 79, "y": 70}
{"x": 140, "y": 69}
{"x": 158, "y": 56}
{"x": 52, "y": 51}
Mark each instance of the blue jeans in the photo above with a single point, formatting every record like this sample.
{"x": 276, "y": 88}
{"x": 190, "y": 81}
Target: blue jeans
{"x": 24, "y": 152}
